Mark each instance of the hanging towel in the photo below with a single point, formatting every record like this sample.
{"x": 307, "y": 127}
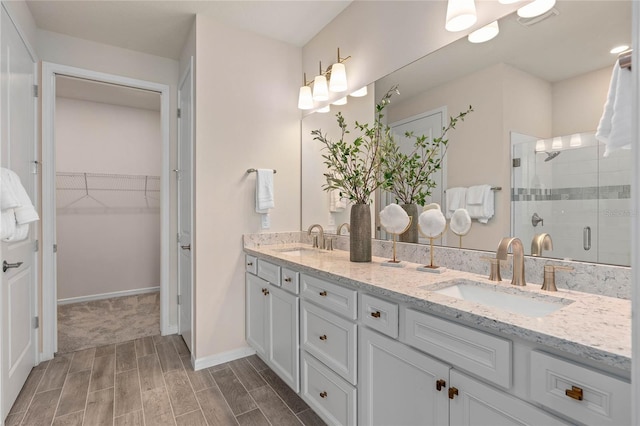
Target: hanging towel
{"x": 8, "y": 225}
{"x": 456, "y": 199}
{"x": 614, "y": 129}
{"x": 264, "y": 191}
{"x": 8, "y": 197}
{"x": 480, "y": 203}
{"x": 24, "y": 210}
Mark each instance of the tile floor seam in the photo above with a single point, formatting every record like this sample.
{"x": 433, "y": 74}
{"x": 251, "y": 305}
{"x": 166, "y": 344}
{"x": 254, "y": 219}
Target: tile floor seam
{"x": 195, "y": 394}
{"x": 66, "y": 377}
{"x": 250, "y": 396}
{"x": 166, "y": 388}
{"x": 144, "y": 420}
{"x": 224, "y": 398}
{"x": 35, "y": 391}
{"x": 86, "y": 400}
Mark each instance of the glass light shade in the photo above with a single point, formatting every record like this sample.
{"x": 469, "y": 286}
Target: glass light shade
{"x": 341, "y": 101}
{"x": 461, "y": 14}
{"x": 360, "y": 92}
{"x": 557, "y": 143}
{"x": 325, "y": 109}
{"x": 619, "y": 49}
{"x": 485, "y": 33}
{"x": 540, "y": 146}
{"x": 508, "y": 1}
{"x": 536, "y": 8}
{"x": 320, "y": 89}
{"x": 338, "y": 82}
{"x": 305, "y": 100}
{"x": 576, "y": 140}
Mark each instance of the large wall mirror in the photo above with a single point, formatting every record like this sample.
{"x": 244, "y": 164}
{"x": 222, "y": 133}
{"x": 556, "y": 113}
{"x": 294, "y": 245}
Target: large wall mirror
{"x": 538, "y": 80}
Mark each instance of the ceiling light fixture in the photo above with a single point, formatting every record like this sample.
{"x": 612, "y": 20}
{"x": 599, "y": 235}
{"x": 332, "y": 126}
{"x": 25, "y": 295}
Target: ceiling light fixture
{"x": 325, "y": 109}
{"x": 360, "y": 92}
{"x": 557, "y": 143}
{"x": 536, "y": 8}
{"x": 576, "y": 140}
{"x": 540, "y": 146}
{"x": 485, "y": 33}
{"x": 619, "y": 49}
{"x": 341, "y": 101}
{"x": 508, "y": 1}
{"x": 337, "y": 76}
{"x": 461, "y": 14}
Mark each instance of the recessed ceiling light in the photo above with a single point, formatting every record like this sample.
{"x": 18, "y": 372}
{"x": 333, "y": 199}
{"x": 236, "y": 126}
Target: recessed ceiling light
{"x": 619, "y": 49}
{"x": 535, "y": 8}
{"x": 485, "y": 33}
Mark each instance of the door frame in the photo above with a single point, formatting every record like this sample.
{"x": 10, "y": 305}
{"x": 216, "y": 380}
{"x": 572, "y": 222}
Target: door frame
{"x": 49, "y": 281}
{"x": 187, "y": 73}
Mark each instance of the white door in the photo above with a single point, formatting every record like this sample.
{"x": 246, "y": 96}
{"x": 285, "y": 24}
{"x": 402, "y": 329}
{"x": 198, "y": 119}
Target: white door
{"x": 185, "y": 206}
{"x": 18, "y": 353}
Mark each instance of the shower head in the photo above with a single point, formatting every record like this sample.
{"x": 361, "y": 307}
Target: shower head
{"x": 551, "y": 155}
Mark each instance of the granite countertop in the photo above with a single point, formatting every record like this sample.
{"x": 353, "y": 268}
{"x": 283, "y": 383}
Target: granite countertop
{"x": 590, "y": 326}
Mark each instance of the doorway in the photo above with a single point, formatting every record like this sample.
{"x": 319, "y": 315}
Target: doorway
{"x": 91, "y": 192}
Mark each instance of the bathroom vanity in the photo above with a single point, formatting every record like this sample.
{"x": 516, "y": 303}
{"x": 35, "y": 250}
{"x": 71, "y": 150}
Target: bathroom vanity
{"x": 363, "y": 344}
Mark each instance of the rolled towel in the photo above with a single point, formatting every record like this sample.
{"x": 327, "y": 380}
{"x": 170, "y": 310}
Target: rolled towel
{"x": 460, "y": 222}
{"x": 456, "y": 199}
{"x": 394, "y": 219}
{"x": 432, "y": 223}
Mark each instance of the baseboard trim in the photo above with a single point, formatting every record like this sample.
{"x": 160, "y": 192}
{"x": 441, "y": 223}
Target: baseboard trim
{"x": 170, "y": 329}
{"x": 108, "y": 295}
{"x": 217, "y": 359}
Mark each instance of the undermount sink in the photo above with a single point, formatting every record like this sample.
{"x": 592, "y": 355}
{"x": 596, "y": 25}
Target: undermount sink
{"x": 508, "y": 299}
{"x": 299, "y": 251}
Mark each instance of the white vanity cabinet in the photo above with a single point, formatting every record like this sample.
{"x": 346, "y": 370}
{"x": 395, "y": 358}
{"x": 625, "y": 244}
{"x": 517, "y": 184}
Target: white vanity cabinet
{"x": 272, "y": 326}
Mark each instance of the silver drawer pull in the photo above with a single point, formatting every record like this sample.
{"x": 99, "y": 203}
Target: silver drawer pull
{"x": 6, "y": 265}
{"x": 323, "y": 337}
{"x": 375, "y": 314}
{"x": 323, "y": 394}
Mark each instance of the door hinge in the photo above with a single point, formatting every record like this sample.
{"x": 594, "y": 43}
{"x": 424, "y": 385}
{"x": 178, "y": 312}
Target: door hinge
{"x": 516, "y": 162}
{"x": 36, "y": 322}
{"x": 55, "y": 248}
{"x": 179, "y": 113}
{"x": 36, "y": 245}
{"x": 178, "y": 299}
{"x": 36, "y": 167}
{"x": 35, "y": 90}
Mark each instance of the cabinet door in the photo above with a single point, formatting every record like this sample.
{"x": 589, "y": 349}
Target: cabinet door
{"x": 257, "y": 332}
{"x": 398, "y": 385}
{"x": 283, "y": 324}
{"x": 479, "y": 404}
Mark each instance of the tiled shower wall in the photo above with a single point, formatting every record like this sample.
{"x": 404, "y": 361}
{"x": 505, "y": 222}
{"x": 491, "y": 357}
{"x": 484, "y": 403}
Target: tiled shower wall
{"x": 583, "y": 197}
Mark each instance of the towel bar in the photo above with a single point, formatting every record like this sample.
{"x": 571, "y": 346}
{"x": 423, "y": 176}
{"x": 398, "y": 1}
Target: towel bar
{"x": 255, "y": 170}
{"x": 493, "y": 188}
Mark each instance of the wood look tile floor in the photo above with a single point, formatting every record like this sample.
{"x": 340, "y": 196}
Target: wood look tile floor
{"x": 149, "y": 381}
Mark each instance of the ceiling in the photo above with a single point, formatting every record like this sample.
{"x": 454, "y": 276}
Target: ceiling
{"x": 161, "y": 27}
{"x": 106, "y": 93}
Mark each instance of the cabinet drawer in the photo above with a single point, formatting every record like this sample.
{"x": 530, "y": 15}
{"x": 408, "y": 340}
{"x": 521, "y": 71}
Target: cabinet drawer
{"x": 482, "y": 354}
{"x": 268, "y": 271}
{"x": 251, "y": 263}
{"x": 331, "y": 397}
{"x": 290, "y": 280}
{"x": 331, "y": 296}
{"x": 379, "y": 315}
{"x": 329, "y": 338}
{"x": 606, "y": 400}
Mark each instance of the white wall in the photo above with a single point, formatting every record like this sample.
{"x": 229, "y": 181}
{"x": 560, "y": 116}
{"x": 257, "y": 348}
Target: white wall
{"x": 21, "y": 16}
{"x": 115, "y": 247}
{"x": 247, "y": 116}
{"x": 65, "y": 50}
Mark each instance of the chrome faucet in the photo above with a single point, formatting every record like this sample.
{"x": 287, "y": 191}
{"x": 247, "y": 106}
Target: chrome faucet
{"x": 518, "y": 258}
{"x": 541, "y": 242}
{"x": 318, "y": 240}
{"x": 342, "y": 226}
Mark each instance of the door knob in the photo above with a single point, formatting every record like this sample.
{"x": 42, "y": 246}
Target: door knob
{"x": 6, "y": 265}
{"x": 187, "y": 247}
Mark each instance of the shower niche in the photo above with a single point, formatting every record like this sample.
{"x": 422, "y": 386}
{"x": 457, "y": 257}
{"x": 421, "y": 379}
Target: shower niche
{"x": 565, "y": 187}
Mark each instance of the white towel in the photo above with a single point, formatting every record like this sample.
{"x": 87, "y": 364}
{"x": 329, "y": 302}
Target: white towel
{"x": 614, "y": 129}
{"x": 7, "y": 225}
{"x": 24, "y": 211}
{"x": 8, "y": 197}
{"x": 432, "y": 223}
{"x": 456, "y": 199}
{"x": 264, "y": 191}
{"x": 480, "y": 203}
{"x": 394, "y": 219}
{"x": 336, "y": 202}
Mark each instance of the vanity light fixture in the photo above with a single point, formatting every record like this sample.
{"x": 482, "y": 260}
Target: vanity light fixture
{"x": 305, "y": 99}
{"x": 360, "y": 92}
{"x": 485, "y": 33}
{"x": 461, "y": 14}
{"x": 619, "y": 49}
{"x": 536, "y": 8}
{"x": 557, "y": 143}
{"x": 320, "y": 88}
{"x": 508, "y": 1}
{"x": 324, "y": 109}
{"x": 341, "y": 101}
{"x": 540, "y": 145}
{"x": 575, "y": 141}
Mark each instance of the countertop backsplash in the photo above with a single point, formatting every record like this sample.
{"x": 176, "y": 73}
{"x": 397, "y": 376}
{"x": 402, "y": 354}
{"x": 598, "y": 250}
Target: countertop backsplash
{"x": 605, "y": 280}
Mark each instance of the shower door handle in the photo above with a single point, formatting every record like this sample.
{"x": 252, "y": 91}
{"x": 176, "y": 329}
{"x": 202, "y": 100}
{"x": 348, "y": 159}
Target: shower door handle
{"x": 586, "y": 238}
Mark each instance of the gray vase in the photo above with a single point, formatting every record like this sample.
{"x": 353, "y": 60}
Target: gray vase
{"x": 360, "y": 233}
{"x": 410, "y": 235}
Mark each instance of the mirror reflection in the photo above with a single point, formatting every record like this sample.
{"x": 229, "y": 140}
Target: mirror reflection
{"x": 545, "y": 77}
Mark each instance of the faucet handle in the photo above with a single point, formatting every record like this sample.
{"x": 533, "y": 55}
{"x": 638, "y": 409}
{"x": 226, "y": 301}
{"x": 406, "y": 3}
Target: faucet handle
{"x": 549, "y": 282}
{"x": 494, "y": 274}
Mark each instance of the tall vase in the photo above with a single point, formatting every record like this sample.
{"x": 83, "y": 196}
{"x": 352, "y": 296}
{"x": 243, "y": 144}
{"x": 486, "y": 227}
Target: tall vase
{"x": 411, "y": 234}
{"x": 360, "y": 233}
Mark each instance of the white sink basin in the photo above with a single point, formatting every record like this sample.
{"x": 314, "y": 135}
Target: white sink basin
{"x": 299, "y": 251}
{"x": 507, "y": 299}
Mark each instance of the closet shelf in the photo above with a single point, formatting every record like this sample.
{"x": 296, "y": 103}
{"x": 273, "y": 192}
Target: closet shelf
{"x": 107, "y": 182}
